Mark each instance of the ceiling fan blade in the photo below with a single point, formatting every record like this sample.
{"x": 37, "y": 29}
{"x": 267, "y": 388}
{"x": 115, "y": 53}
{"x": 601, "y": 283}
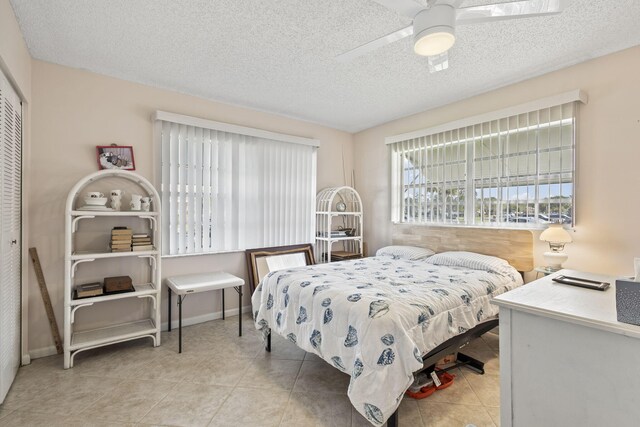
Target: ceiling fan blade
{"x": 454, "y": 3}
{"x": 375, "y": 44}
{"x": 511, "y": 10}
{"x": 408, "y": 8}
{"x": 438, "y": 62}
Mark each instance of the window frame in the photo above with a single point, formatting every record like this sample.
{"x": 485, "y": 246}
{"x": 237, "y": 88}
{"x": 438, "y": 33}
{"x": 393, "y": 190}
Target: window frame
{"x": 471, "y": 183}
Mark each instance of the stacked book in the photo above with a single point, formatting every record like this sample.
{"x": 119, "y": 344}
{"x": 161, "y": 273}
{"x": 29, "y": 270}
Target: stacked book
{"x": 121, "y": 239}
{"x": 89, "y": 290}
{"x": 141, "y": 242}
{"x": 334, "y": 233}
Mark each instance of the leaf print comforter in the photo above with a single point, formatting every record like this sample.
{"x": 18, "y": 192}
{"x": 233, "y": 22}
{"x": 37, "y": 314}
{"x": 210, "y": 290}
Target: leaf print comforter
{"x": 374, "y": 318}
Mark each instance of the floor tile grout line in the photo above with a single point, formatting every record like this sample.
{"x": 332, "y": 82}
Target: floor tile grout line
{"x": 25, "y": 403}
{"x": 104, "y": 419}
{"x": 139, "y": 421}
{"x": 286, "y": 405}
{"x": 9, "y": 412}
{"x": 422, "y": 420}
{"x": 88, "y": 405}
{"x": 224, "y": 401}
{"x": 293, "y": 386}
{"x": 471, "y": 388}
{"x": 465, "y": 405}
{"x": 484, "y": 405}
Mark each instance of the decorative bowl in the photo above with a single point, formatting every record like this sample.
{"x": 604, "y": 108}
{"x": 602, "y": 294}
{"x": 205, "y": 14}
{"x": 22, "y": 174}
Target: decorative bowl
{"x": 95, "y": 201}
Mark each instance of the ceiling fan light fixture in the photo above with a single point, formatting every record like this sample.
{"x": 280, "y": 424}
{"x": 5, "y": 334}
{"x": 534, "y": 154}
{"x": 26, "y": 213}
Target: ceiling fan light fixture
{"x": 434, "y": 41}
{"x": 433, "y": 30}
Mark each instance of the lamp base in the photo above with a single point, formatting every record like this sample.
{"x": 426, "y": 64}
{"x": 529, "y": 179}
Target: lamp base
{"x": 554, "y": 260}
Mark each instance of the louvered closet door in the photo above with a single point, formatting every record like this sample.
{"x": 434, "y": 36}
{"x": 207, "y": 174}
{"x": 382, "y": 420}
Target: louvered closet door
{"x": 10, "y": 230}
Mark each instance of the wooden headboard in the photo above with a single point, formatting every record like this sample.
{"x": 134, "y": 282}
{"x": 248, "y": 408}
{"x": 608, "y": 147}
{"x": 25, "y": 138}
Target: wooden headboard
{"x": 514, "y": 246}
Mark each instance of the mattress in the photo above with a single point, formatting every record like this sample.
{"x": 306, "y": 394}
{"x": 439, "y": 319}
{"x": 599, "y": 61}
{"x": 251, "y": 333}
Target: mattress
{"x": 374, "y": 318}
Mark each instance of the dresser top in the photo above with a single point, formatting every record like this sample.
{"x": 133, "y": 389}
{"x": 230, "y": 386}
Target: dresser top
{"x": 587, "y": 307}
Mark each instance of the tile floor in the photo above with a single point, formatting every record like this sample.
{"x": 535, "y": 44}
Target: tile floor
{"x": 223, "y": 380}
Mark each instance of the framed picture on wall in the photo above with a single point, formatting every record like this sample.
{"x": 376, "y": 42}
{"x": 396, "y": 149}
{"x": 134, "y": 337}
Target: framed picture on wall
{"x": 116, "y": 157}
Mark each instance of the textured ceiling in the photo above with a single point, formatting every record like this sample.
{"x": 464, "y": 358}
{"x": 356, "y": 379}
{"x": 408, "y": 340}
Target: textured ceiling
{"x": 278, "y": 55}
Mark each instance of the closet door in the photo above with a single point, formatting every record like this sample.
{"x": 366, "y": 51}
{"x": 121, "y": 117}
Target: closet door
{"x": 10, "y": 233}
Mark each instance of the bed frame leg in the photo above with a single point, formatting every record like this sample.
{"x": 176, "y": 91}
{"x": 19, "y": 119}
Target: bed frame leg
{"x": 268, "y": 345}
{"x": 392, "y": 421}
{"x": 471, "y": 363}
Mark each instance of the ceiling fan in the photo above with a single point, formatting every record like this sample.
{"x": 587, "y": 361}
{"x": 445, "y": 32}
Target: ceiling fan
{"x": 433, "y": 26}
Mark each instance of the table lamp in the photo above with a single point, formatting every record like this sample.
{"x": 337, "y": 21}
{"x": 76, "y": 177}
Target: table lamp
{"x": 557, "y": 237}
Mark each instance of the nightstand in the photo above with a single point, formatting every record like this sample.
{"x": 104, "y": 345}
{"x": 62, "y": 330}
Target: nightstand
{"x": 544, "y": 271}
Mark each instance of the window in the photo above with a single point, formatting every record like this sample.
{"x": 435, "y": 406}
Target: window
{"x": 228, "y": 188}
{"x": 510, "y": 169}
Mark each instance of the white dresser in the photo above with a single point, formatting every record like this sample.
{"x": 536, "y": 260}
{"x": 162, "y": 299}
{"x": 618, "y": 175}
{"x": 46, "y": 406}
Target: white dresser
{"x": 564, "y": 358}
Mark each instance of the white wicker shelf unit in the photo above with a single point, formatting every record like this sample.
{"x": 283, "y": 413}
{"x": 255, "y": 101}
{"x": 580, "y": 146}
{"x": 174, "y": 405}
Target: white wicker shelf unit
{"x": 77, "y": 340}
{"x": 338, "y": 209}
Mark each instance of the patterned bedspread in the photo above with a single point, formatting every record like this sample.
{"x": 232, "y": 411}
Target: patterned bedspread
{"x": 375, "y": 317}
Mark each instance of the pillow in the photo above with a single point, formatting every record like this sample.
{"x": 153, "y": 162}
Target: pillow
{"x": 405, "y": 252}
{"x": 468, "y": 260}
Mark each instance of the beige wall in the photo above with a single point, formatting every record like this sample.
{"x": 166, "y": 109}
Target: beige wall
{"x": 607, "y": 235}
{"x": 15, "y": 63}
{"x": 73, "y": 111}
{"x": 15, "y": 59}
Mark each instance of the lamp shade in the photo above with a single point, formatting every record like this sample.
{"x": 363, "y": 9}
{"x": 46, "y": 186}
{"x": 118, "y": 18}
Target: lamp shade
{"x": 556, "y": 234}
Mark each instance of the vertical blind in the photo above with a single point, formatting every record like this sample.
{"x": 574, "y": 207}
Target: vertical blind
{"x": 224, "y": 191}
{"x": 512, "y": 170}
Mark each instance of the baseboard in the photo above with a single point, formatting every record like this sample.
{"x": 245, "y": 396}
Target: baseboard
{"x": 26, "y": 360}
{"x": 186, "y": 321}
{"x": 194, "y": 320}
{"x": 42, "y": 352}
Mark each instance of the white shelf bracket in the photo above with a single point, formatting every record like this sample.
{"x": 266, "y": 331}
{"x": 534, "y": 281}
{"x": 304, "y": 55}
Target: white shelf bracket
{"x": 152, "y": 297}
{"x": 73, "y": 311}
{"x": 152, "y": 260}
{"x": 152, "y": 221}
{"x": 74, "y": 266}
{"x": 74, "y": 223}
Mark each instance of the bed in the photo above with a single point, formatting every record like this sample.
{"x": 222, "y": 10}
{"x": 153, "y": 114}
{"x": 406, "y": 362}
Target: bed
{"x": 377, "y": 318}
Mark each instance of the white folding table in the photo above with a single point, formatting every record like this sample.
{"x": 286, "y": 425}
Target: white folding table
{"x": 194, "y": 283}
